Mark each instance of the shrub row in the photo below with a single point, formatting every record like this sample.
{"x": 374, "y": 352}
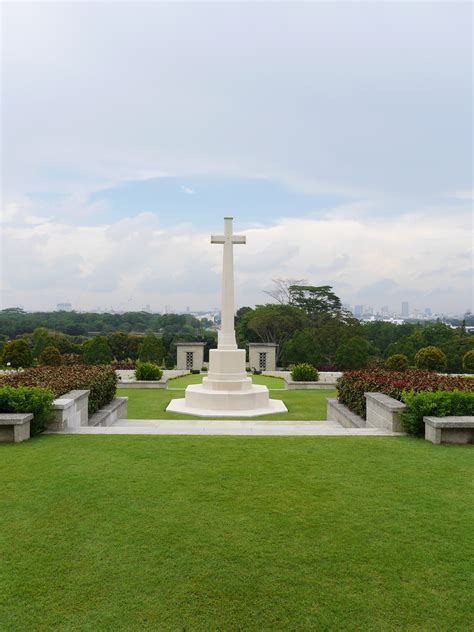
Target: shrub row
{"x": 101, "y": 381}
{"x": 148, "y": 371}
{"x": 440, "y": 404}
{"x": 28, "y": 400}
{"x": 353, "y": 384}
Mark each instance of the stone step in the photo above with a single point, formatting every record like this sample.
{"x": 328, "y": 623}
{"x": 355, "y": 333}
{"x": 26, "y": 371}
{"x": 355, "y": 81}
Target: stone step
{"x": 242, "y": 427}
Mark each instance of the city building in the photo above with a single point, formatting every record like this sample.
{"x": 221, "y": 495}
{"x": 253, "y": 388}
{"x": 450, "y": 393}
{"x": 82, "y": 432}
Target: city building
{"x": 405, "y": 310}
{"x": 64, "y": 307}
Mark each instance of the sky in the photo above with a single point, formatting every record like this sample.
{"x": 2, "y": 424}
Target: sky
{"x": 338, "y": 135}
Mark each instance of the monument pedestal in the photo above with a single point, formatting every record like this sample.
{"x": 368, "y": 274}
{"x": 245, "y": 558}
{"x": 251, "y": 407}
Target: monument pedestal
{"x": 227, "y": 391}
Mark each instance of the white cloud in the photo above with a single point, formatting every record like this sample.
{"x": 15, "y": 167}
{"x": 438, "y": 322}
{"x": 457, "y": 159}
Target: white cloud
{"x": 136, "y": 260}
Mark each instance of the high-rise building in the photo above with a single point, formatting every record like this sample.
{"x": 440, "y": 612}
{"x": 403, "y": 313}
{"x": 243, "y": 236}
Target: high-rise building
{"x": 405, "y": 309}
{"x": 358, "y": 311}
{"x": 64, "y": 307}
{"x": 428, "y": 311}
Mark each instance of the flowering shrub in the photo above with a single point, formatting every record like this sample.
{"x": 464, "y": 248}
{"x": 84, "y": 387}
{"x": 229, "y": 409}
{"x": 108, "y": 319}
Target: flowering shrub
{"x": 353, "y": 384}
{"x": 431, "y": 358}
{"x": 101, "y": 381}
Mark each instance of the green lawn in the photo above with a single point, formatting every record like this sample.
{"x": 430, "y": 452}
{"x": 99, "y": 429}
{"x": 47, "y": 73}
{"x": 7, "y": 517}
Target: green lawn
{"x": 106, "y": 533}
{"x": 151, "y": 403}
{"x": 185, "y": 380}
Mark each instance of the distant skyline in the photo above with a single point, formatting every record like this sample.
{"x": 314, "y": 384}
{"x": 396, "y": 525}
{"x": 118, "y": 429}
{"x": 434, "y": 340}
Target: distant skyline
{"x": 338, "y": 135}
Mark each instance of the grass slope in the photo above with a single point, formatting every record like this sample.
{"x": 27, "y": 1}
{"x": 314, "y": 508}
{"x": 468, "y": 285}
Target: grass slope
{"x": 231, "y": 533}
{"x": 151, "y": 403}
{"x": 185, "y": 380}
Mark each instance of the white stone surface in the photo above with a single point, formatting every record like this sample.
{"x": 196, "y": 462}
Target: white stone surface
{"x": 227, "y": 391}
{"x": 242, "y": 427}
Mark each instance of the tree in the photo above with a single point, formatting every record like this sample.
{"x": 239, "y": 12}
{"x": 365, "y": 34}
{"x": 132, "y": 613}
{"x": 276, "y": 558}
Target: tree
{"x": 151, "y": 349}
{"x": 17, "y": 353}
{"x": 303, "y": 348}
{"x": 431, "y": 358}
{"x": 275, "y": 323}
{"x": 353, "y": 354}
{"x": 397, "y": 362}
{"x": 468, "y": 361}
{"x": 315, "y": 300}
{"x": 97, "y": 351}
{"x": 50, "y": 357}
{"x": 281, "y": 292}
{"x": 41, "y": 339}
{"x": 119, "y": 343}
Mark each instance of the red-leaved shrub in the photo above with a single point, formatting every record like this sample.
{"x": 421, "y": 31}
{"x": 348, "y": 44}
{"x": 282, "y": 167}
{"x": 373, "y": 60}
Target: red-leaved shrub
{"x": 100, "y": 380}
{"x": 353, "y": 384}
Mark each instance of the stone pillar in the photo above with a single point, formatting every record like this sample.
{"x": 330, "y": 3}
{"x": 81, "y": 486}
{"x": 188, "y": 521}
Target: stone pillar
{"x": 190, "y": 355}
{"x": 262, "y": 356}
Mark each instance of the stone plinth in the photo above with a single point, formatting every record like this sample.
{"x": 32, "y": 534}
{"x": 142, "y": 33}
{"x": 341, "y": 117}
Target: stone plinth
{"x": 262, "y": 356}
{"x": 190, "y": 355}
{"x": 71, "y": 409}
{"x": 227, "y": 391}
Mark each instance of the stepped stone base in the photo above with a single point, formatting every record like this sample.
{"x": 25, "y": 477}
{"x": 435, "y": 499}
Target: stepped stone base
{"x": 227, "y": 391}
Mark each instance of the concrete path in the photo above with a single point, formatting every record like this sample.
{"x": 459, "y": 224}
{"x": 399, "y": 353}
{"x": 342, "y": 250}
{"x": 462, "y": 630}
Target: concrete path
{"x": 227, "y": 427}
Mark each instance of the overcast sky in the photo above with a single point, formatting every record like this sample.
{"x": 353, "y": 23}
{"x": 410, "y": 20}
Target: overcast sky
{"x": 339, "y": 135}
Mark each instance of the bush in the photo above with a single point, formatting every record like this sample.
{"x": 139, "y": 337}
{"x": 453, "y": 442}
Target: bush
{"x": 170, "y": 361}
{"x": 17, "y": 353}
{"x": 397, "y": 362}
{"x": 353, "y": 353}
{"x": 468, "y": 361}
{"x": 304, "y": 373}
{"x": 148, "y": 371}
{"x": 101, "y": 381}
{"x": 50, "y": 356}
{"x": 439, "y": 404}
{"x": 195, "y": 371}
{"x": 28, "y": 400}
{"x": 353, "y": 384}
{"x": 97, "y": 351}
{"x": 431, "y": 358}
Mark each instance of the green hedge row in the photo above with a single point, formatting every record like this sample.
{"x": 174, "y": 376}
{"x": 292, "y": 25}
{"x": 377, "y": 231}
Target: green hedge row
{"x": 440, "y": 404}
{"x": 28, "y": 400}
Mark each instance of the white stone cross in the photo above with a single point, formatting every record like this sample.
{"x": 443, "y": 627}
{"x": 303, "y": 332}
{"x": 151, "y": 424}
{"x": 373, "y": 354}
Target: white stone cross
{"x": 226, "y": 334}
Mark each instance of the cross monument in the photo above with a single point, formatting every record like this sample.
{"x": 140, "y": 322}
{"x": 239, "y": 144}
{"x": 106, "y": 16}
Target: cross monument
{"x": 226, "y": 334}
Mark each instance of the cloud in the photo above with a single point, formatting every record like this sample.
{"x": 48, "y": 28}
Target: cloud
{"x": 138, "y": 261}
{"x": 188, "y": 190}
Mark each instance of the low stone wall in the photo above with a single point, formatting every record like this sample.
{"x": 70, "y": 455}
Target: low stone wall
{"x": 383, "y": 412}
{"x": 15, "y": 427}
{"x": 291, "y": 385}
{"x": 143, "y": 384}
{"x": 335, "y": 411}
{"x": 454, "y": 429}
{"x": 116, "y": 409}
{"x": 127, "y": 379}
{"x": 70, "y": 410}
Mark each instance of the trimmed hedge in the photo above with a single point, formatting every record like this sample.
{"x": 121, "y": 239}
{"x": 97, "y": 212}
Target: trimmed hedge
{"x": 440, "y": 404}
{"x": 353, "y": 384}
{"x": 304, "y": 373}
{"x": 28, "y": 400}
{"x": 148, "y": 371}
{"x": 101, "y": 381}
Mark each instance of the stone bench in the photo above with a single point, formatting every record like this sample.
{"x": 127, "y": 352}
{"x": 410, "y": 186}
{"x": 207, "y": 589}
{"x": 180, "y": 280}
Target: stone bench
{"x": 449, "y": 429}
{"x": 15, "y": 427}
{"x": 116, "y": 409}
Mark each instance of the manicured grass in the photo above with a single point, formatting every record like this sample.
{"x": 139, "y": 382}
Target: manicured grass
{"x": 185, "y": 380}
{"x": 151, "y": 403}
{"x": 235, "y": 533}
